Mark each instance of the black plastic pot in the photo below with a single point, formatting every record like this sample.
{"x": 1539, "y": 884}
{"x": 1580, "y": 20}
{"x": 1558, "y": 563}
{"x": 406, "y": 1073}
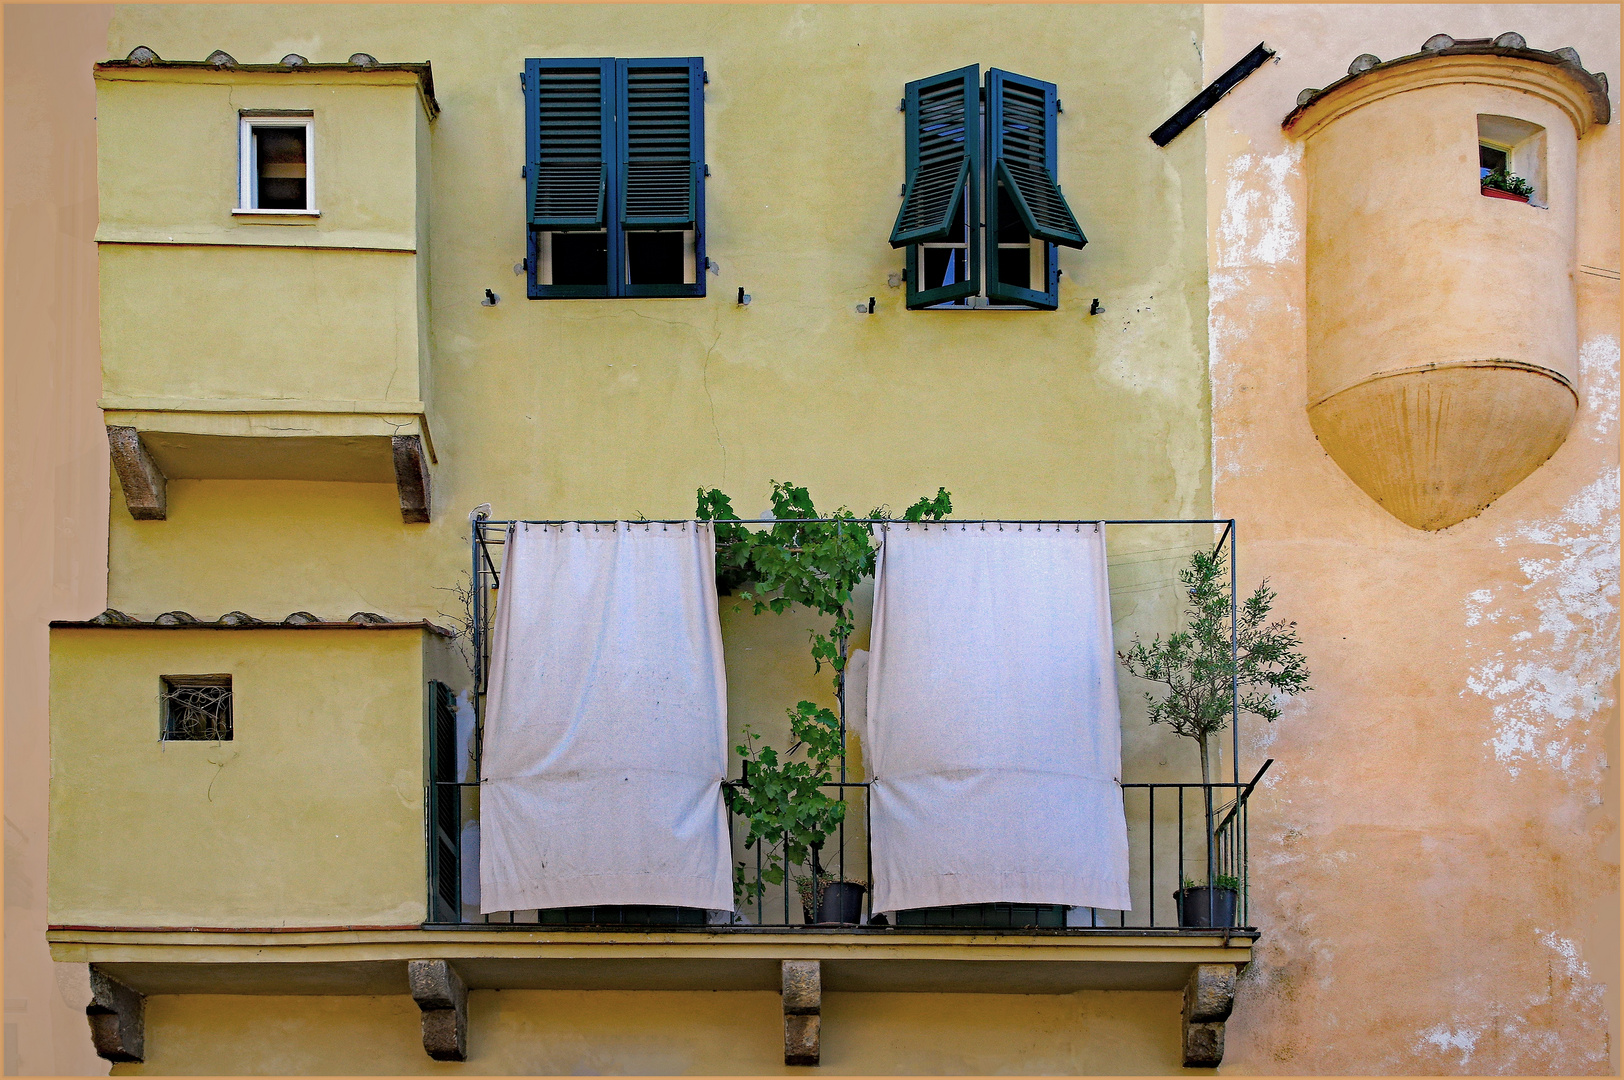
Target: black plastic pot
{"x": 1205, "y": 906}
{"x": 842, "y": 902}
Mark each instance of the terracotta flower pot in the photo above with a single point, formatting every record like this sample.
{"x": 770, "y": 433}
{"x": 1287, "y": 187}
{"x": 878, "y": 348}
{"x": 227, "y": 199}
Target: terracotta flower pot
{"x": 1496, "y": 193}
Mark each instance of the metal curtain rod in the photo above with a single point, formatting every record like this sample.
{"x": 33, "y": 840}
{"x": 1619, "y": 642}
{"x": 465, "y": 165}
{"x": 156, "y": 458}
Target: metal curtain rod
{"x": 859, "y": 521}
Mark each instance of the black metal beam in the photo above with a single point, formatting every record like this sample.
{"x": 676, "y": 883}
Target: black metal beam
{"x": 1205, "y": 100}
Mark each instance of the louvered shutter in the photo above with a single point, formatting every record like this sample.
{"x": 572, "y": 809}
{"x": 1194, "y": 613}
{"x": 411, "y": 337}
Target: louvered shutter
{"x": 660, "y": 142}
{"x": 444, "y": 808}
{"x": 943, "y": 154}
{"x": 569, "y": 141}
{"x": 1021, "y": 153}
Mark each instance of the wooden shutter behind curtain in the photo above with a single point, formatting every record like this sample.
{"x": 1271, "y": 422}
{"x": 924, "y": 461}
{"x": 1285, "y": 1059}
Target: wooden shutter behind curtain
{"x": 660, "y": 141}
{"x": 943, "y": 154}
{"x": 445, "y": 808}
{"x": 568, "y": 137}
{"x": 1021, "y": 152}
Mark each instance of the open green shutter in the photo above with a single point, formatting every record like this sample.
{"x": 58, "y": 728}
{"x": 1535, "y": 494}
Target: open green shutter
{"x": 568, "y": 142}
{"x": 1021, "y": 155}
{"x": 943, "y": 154}
{"x": 445, "y": 808}
{"x": 660, "y": 145}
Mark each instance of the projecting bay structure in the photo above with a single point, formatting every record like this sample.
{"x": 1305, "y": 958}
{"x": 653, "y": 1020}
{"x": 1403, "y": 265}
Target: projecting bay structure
{"x": 359, "y": 309}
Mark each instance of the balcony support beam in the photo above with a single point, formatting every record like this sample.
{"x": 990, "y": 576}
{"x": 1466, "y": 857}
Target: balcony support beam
{"x": 440, "y": 992}
{"x": 118, "y": 1018}
{"x": 412, "y": 478}
{"x": 803, "y": 1008}
{"x": 144, "y": 484}
{"x": 1209, "y": 997}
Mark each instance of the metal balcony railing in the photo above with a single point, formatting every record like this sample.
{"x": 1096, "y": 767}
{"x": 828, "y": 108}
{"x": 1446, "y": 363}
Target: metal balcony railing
{"x": 1177, "y": 831}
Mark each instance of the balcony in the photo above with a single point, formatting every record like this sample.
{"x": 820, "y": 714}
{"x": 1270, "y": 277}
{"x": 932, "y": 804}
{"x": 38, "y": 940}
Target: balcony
{"x": 983, "y": 948}
{"x": 395, "y": 921}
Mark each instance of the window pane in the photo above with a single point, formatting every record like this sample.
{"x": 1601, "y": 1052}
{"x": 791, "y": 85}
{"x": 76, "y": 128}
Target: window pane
{"x": 944, "y": 266}
{"x": 1011, "y": 229}
{"x": 654, "y": 258}
{"x": 580, "y": 258}
{"x": 279, "y": 154}
{"x": 1490, "y": 158}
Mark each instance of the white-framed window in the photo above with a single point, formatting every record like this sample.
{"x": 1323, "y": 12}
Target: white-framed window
{"x": 277, "y": 170}
{"x": 1514, "y": 149}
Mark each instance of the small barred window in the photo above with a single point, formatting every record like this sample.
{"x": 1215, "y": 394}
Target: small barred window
{"x": 197, "y": 708}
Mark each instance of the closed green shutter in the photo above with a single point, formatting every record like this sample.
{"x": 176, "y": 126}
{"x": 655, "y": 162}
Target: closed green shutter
{"x": 1021, "y": 155}
{"x": 943, "y": 155}
{"x": 660, "y": 139}
{"x": 569, "y": 140}
{"x": 444, "y": 808}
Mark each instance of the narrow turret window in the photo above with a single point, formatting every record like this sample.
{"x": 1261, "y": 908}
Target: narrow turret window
{"x": 1511, "y": 159}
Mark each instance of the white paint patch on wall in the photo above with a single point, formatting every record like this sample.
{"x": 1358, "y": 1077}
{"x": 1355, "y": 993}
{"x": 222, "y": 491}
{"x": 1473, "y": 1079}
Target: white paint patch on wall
{"x": 1598, "y": 385}
{"x": 1446, "y": 1039}
{"x": 1551, "y": 686}
{"x": 1517, "y": 1037}
{"x": 1259, "y": 223}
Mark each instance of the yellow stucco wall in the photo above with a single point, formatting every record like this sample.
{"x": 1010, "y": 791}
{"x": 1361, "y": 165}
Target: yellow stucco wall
{"x": 614, "y": 408}
{"x": 1435, "y": 852}
{"x": 212, "y": 319}
{"x": 167, "y": 144}
{"x": 312, "y": 814}
{"x": 540, "y": 1032}
{"x": 259, "y": 323}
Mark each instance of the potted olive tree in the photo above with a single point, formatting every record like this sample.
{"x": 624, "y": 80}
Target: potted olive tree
{"x": 1201, "y": 668}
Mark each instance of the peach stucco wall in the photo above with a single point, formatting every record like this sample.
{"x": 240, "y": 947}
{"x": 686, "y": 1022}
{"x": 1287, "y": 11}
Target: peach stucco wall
{"x": 55, "y": 473}
{"x": 1435, "y": 851}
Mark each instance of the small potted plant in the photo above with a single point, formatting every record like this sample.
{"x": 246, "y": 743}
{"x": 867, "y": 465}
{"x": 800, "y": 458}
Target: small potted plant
{"x": 1500, "y": 184}
{"x": 791, "y": 814}
{"x": 825, "y": 898}
{"x": 1208, "y": 905}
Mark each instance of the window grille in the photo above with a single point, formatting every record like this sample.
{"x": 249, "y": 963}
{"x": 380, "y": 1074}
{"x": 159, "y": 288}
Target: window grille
{"x": 196, "y": 708}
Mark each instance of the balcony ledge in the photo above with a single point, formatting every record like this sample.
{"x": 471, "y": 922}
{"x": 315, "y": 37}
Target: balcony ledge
{"x": 373, "y": 961}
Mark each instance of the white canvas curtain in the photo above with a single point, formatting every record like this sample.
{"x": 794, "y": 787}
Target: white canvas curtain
{"x": 992, "y": 721}
{"x": 605, "y": 740}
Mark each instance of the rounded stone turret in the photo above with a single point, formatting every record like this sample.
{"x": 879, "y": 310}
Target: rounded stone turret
{"x": 1442, "y": 332}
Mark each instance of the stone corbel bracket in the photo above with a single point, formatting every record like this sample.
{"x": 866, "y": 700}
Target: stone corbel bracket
{"x": 118, "y": 1018}
{"x": 143, "y": 482}
{"x": 439, "y": 991}
{"x": 803, "y": 1008}
{"x": 412, "y": 478}
{"x": 1209, "y": 997}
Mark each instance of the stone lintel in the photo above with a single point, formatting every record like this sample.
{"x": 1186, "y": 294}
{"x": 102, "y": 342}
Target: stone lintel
{"x": 803, "y": 1004}
{"x": 411, "y": 478}
{"x": 117, "y": 1018}
{"x": 439, "y": 991}
{"x": 143, "y": 482}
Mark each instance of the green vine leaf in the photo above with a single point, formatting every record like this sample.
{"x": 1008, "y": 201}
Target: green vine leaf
{"x": 817, "y": 564}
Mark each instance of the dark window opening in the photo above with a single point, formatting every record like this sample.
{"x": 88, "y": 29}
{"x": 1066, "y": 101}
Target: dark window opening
{"x": 197, "y": 708}
{"x": 945, "y": 266}
{"x": 580, "y": 258}
{"x": 655, "y": 258}
{"x": 281, "y": 167}
{"x": 1014, "y": 244}
{"x": 1491, "y": 159}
